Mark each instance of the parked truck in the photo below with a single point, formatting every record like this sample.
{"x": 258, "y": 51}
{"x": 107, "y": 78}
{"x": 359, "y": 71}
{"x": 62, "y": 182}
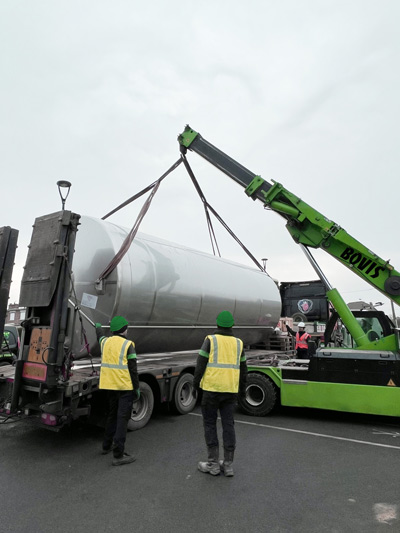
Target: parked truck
{"x": 357, "y": 369}
{"x": 305, "y": 301}
{"x": 170, "y": 295}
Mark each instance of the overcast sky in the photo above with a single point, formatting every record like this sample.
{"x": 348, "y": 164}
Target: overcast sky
{"x": 304, "y": 92}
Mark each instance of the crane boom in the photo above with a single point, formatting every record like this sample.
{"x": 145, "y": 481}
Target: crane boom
{"x": 306, "y": 225}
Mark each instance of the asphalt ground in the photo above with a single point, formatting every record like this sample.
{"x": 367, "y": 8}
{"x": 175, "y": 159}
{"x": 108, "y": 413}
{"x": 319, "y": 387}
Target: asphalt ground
{"x": 296, "y": 471}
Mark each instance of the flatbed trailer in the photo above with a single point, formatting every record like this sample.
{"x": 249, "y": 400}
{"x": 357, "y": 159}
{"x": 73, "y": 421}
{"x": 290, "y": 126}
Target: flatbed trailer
{"x": 165, "y": 378}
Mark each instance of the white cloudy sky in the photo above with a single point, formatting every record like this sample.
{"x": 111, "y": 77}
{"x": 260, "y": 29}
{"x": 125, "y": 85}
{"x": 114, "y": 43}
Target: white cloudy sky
{"x": 305, "y": 92}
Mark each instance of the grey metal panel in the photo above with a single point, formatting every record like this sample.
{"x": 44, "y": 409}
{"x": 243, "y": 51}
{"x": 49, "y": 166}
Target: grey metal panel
{"x": 170, "y": 294}
{"x": 8, "y": 247}
{"x": 45, "y": 258}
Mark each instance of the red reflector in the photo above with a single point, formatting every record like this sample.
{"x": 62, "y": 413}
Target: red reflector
{"x": 48, "y": 419}
{"x": 34, "y": 371}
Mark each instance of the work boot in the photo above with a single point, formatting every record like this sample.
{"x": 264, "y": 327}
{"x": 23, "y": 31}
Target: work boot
{"x": 211, "y": 466}
{"x": 125, "y": 459}
{"x": 226, "y": 464}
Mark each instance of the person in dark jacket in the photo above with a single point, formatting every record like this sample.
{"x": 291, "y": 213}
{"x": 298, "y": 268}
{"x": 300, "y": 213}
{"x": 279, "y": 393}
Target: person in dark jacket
{"x": 221, "y": 373}
{"x": 119, "y": 376}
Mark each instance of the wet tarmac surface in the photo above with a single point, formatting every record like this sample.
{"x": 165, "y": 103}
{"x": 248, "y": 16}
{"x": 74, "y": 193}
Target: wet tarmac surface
{"x": 295, "y": 471}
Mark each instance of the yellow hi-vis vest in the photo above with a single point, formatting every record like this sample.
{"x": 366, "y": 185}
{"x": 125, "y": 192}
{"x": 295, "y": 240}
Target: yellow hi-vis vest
{"x": 223, "y": 367}
{"x": 114, "y": 372}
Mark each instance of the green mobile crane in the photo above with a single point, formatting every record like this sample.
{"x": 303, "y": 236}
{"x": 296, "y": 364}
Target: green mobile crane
{"x": 356, "y": 371}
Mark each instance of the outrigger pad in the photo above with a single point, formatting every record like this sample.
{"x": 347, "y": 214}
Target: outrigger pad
{"x": 49, "y": 243}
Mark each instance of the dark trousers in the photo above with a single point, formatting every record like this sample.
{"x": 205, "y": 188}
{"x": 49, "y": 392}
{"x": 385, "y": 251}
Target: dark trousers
{"x": 302, "y": 353}
{"x": 225, "y": 403}
{"x": 119, "y": 412}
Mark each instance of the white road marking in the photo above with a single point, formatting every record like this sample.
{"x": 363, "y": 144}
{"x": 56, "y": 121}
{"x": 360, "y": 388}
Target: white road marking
{"x": 311, "y": 433}
{"x": 391, "y": 433}
{"x": 385, "y": 512}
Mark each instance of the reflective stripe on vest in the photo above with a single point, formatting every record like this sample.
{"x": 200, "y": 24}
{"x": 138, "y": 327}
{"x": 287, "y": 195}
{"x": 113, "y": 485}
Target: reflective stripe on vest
{"x": 301, "y": 340}
{"x": 223, "y": 367}
{"x": 114, "y": 372}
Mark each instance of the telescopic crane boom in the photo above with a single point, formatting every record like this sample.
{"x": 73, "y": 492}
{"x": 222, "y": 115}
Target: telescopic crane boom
{"x": 310, "y": 229}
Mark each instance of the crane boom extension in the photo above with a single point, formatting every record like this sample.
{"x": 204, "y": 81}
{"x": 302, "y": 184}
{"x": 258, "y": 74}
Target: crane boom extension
{"x": 306, "y": 225}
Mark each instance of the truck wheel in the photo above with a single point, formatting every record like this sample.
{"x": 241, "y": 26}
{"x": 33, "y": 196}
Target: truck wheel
{"x": 261, "y": 396}
{"x": 299, "y": 317}
{"x": 183, "y": 398}
{"x": 142, "y": 409}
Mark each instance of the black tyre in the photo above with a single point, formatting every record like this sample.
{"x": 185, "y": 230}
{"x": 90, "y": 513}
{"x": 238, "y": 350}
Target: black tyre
{"x": 299, "y": 317}
{"x": 183, "y": 397}
{"x": 261, "y": 396}
{"x": 142, "y": 409}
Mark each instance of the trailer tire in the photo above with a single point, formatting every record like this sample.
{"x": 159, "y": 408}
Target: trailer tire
{"x": 261, "y": 396}
{"x": 184, "y": 402}
{"x": 142, "y": 409}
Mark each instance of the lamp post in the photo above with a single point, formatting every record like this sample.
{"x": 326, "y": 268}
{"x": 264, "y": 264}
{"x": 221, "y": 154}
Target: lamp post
{"x": 264, "y": 263}
{"x": 63, "y": 184}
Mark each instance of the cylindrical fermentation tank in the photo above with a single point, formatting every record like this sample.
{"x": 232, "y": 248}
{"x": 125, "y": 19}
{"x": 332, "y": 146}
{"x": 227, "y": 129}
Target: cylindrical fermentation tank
{"x": 170, "y": 294}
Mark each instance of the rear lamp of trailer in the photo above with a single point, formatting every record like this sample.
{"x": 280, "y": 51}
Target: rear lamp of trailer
{"x": 48, "y": 419}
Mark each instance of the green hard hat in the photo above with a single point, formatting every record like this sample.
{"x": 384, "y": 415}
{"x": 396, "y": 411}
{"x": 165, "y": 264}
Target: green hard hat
{"x": 117, "y": 323}
{"x": 225, "y": 319}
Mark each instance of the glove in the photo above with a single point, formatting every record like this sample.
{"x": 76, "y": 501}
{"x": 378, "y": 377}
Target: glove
{"x": 137, "y": 395}
{"x": 98, "y": 325}
{"x": 195, "y": 392}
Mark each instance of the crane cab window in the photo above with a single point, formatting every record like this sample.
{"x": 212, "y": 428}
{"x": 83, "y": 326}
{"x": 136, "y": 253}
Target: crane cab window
{"x": 375, "y": 325}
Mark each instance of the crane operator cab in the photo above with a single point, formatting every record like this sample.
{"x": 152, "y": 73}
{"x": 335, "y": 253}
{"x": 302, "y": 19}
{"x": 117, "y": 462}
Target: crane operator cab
{"x": 341, "y": 361}
{"x": 374, "y": 323}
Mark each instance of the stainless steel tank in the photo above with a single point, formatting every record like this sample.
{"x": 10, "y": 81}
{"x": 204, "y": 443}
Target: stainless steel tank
{"x": 170, "y": 294}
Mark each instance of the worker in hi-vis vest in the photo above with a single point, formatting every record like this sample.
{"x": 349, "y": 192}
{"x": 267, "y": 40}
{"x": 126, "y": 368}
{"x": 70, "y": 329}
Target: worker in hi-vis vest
{"x": 221, "y": 373}
{"x": 302, "y": 339}
{"x": 119, "y": 376}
